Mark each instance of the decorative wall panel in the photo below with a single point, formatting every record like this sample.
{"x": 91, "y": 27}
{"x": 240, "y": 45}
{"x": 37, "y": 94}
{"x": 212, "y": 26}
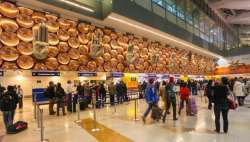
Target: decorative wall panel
{"x": 74, "y": 46}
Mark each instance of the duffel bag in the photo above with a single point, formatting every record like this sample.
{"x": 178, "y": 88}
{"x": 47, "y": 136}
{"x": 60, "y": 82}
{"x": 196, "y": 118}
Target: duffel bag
{"x": 17, "y": 127}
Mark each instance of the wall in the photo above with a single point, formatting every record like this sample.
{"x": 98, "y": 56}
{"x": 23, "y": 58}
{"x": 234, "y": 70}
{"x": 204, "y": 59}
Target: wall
{"x": 112, "y": 59}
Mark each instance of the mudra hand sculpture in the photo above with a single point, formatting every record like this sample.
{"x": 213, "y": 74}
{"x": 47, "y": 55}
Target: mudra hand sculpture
{"x": 96, "y": 50}
{"x": 40, "y": 42}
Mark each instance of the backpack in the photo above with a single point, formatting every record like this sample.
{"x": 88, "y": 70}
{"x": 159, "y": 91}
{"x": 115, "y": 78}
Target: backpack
{"x": 170, "y": 91}
{"x": 60, "y": 93}
{"x": 6, "y": 103}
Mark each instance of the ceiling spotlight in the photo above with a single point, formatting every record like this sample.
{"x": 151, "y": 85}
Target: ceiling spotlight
{"x": 78, "y": 5}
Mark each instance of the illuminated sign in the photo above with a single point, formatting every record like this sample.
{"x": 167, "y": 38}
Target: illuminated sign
{"x": 87, "y": 74}
{"x": 45, "y": 73}
{"x": 117, "y": 74}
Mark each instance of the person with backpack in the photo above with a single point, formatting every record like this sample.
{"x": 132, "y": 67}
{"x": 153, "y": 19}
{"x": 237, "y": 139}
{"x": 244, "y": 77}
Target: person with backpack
{"x": 51, "y": 94}
{"x": 7, "y": 104}
{"x": 151, "y": 98}
{"x": 184, "y": 96}
{"x": 171, "y": 99}
{"x": 20, "y": 96}
{"x": 60, "y": 98}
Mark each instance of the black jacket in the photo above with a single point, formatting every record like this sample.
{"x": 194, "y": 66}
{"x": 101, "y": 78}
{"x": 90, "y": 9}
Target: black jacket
{"x": 220, "y": 96}
{"x": 51, "y": 92}
{"x": 9, "y": 101}
{"x": 60, "y": 93}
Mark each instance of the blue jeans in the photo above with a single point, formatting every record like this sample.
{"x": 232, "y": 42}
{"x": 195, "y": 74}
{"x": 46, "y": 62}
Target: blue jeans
{"x": 150, "y": 105}
{"x": 7, "y": 119}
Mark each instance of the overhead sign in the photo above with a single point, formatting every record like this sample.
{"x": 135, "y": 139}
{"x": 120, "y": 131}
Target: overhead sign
{"x": 1, "y": 73}
{"x": 117, "y": 74}
{"x": 165, "y": 76}
{"x": 45, "y": 73}
{"x": 152, "y": 75}
{"x": 87, "y": 74}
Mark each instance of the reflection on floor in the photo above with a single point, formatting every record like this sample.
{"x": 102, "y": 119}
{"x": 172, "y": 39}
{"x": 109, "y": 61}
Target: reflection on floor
{"x": 105, "y": 134}
{"x": 120, "y": 122}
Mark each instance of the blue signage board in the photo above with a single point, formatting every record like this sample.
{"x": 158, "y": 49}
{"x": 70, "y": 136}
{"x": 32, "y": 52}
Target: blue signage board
{"x": 45, "y": 73}
{"x": 152, "y": 75}
{"x": 117, "y": 74}
{"x": 177, "y": 76}
{"x": 165, "y": 76}
{"x": 38, "y": 95}
{"x": 1, "y": 73}
{"x": 87, "y": 74}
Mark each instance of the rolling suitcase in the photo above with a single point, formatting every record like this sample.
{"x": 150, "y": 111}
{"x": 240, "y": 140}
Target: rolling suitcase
{"x": 17, "y": 127}
{"x": 156, "y": 113}
{"x": 192, "y": 106}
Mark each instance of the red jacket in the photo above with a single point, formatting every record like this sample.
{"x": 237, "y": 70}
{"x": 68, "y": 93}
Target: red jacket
{"x": 184, "y": 92}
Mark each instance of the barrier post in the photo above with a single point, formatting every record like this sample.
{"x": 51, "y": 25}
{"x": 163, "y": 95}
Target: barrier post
{"x": 38, "y": 117}
{"x": 136, "y": 119}
{"x": 94, "y": 129}
{"x": 115, "y": 99}
{"x": 42, "y": 127}
{"x": 78, "y": 111}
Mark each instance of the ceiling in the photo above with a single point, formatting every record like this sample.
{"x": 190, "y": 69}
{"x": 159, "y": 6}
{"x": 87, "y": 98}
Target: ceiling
{"x": 236, "y": 13}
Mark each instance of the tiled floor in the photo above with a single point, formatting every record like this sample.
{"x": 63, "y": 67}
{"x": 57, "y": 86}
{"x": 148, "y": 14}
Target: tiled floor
{"x": 186, "y": 129}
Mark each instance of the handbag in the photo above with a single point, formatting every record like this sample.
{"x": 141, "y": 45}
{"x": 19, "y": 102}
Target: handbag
{"x": 232, "y": 103}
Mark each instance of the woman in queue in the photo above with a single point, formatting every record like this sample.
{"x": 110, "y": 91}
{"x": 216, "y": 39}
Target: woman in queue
{"x": 221, "y": 106}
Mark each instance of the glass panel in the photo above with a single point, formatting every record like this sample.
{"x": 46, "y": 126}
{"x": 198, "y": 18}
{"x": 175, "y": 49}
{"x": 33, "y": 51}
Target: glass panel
{"x": 159, "y": 10}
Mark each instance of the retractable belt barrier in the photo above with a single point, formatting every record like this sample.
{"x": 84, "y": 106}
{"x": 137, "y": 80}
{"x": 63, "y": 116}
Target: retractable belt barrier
{"x": 41, "y": 125}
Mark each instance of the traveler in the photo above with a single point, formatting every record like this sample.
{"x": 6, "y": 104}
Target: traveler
{"x": 248, "y": 86}
{"x": 102, "y": 92}
{"x": 112, "y": 93}
{"x": 87, "y": 92}
{"x": 14, "y": 98}
{"x": 151, "y": 98}
{"x": 171, "y": 99}
{"x": 2, "y": 89}
{"x": 221, "y": 92}
{"x": 119, "y": 92}
{"x": 209, "y": 93}
{"x": 124, "y": 91}
{"x": 7, "y": 105}
{"x": 162, "y": 92}
{"x": 60, "y": 98}
{"x": 51, "y": 94}
{"x": 69, "y": 94}
{"x": 239, "y": 91}
{"x": 184, "y": 96}
{"x": 20, "y": 96}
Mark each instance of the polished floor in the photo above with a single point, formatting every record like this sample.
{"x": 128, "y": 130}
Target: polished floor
{"x": 119, "y": 122}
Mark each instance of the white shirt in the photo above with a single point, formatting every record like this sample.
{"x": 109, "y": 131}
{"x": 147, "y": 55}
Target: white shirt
{"x": 70, "y": 88}
{"x": 238, "y": 89}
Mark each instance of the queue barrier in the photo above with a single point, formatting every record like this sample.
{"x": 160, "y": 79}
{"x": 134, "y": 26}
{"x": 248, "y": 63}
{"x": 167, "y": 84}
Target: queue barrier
{"x": 41, "y": 124}
{"x": 38, "y": 99}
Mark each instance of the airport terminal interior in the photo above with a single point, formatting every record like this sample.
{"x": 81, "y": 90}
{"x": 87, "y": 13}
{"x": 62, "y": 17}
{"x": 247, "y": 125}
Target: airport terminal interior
{"x": 124, "y": 70}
